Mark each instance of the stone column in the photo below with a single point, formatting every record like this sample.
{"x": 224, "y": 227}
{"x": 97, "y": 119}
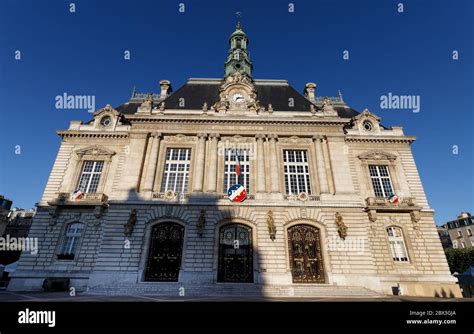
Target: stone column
{"x": 322, "y": 176}
{"x": 275, "y": 177}
{"x": 327, "y": 162}
{"x": 199, "y": 162}
{"x": 152, "y": 162}
{"x": 260, "y": 164}
{"x": 212, "y": 171}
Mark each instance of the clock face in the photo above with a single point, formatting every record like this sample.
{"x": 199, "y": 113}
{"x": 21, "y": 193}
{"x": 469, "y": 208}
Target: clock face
{"x": 238, "y": 98}
{"x": 368, "y": 126}
{"x": 106, "y": 121}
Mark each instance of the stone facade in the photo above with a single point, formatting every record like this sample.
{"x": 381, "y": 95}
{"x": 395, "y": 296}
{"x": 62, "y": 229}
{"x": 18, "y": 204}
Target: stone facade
{"x": 351, "y": 220}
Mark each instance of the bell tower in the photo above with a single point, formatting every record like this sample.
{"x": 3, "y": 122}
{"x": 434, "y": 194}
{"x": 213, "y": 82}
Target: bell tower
{"x": 238, "y": 59}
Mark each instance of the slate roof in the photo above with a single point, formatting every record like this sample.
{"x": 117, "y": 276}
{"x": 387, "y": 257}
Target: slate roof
{"x": 277, "y": 92}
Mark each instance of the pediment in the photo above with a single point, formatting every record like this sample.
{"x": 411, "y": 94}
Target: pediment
{"x": 367, "y": 114}
{"x": 377, "y": 155}
{"x": 107, "y": 109}
{"x": 94, "y": 150}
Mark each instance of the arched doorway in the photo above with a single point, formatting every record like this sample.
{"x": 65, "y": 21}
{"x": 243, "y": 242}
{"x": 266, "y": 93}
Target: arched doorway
{"x": 235, "y": 254}
{"x": 306, "y": 260}
{"x": 166, "y": 248}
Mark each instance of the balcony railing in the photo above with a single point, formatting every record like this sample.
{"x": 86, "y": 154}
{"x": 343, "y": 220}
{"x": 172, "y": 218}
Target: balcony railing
{"x": 85, "y": 198}
{"x": 382, "y": 202}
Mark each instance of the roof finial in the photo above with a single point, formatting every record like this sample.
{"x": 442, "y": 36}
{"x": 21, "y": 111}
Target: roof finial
{"x": 134, "y": 91}
{"x": 340, "y": 95}
{"x": 238, "y": 15}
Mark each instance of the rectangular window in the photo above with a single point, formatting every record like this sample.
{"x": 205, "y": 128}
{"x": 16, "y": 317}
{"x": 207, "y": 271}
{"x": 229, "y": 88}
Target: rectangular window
{"x": 381, "y": 181}
{"x": 90, "y": 177}
{"x": 176, "y": 171}
{"x": 397, "y": 244}
{"x": 463, "y": 244}
{"x": 71, "y": 241}
{"x": 296, "y": 170}
{"x": 469, "y": 232}
{"x": 232, "y": 158}
{"x": 459, "y": 234}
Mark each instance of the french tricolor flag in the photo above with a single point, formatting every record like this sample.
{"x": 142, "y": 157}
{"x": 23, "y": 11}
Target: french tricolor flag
{"x": 237, "y": 165}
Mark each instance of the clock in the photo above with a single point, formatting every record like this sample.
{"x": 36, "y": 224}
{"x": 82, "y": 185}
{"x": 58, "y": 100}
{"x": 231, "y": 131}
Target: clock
{"x": 238, "y": 98}
{"x": 106, "y": 121}
{"x": 368, "y": 126}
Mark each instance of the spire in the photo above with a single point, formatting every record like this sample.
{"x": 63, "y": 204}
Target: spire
{"x": 238, "y": 59}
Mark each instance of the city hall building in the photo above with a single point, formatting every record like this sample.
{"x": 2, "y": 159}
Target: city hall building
{"x": 236, "y": 185}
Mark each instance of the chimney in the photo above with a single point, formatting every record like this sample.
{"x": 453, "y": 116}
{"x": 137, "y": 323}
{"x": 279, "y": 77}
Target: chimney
{"x": 165, "y": 88}
{"x": 309, "y": 91}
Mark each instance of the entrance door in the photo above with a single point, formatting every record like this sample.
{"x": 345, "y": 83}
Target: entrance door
{"x": 305, "y": 254}
{"x": 235, "y": 254}
{"x": 166, "y": 248}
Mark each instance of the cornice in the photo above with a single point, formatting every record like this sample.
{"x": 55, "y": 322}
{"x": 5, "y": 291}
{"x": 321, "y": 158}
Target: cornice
{"x": 228, "y": 120}
{"x": 381, "y": 139}
{"x": 91, "y": 134}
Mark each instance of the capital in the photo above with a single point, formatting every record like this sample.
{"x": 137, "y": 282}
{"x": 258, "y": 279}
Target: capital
{"x": 202, "y": 135}
{"x": 260, "y": 137}
{"x": 214, "y": 136}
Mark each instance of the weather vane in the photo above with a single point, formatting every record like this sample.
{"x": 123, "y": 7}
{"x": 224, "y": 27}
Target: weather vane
{"x": 238, "y": 15}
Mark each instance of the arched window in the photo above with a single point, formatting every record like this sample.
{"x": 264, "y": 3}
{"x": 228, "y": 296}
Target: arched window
{"x": 397, "y": 244}
{"x": 71, "y": 241}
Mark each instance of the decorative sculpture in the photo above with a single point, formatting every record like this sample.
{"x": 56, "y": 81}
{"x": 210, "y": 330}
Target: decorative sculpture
{"x": 132, "y": 220}
{"x": 271, "y": 225}
{"x": 204, "y": 107}
{"x": 162, "y": 106}
{"x": 341, "y": 227}
{"x": 201, "y": 223}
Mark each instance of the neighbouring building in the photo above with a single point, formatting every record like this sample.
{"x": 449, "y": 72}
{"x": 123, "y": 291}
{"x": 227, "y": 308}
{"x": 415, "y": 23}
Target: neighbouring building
{"x": 444, "y": 237}
{"x": 5, "y": 205}
{"x": 460, "y": 230}
{"x": 144, "y": 197}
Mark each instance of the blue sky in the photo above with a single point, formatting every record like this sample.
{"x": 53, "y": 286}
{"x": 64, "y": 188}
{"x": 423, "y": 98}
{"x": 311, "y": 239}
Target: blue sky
{"x": 81, "y": 53}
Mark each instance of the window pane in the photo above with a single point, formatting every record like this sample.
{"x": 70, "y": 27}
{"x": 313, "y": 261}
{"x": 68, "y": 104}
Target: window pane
{"x": 176, "y": 170}
{"x": 296, "y": 171}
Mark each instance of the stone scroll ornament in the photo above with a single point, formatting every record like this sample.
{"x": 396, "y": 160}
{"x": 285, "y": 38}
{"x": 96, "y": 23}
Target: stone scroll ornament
{"x": 271, "y": 225}
{"x": 129, "y": 226}
{"x": 201, "y": 223}
{"x": 341, "y": 227}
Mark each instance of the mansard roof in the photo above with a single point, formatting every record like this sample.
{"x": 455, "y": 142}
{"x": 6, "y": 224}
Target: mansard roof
{"x": 278, "y": 93}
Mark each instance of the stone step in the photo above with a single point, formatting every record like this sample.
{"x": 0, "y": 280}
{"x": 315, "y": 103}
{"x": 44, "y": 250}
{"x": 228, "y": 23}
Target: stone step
{"x": 236, "y": 290}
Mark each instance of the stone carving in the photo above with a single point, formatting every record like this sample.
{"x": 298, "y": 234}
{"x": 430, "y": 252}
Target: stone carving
{"x": 204, "y": 107}
{"x": 341, "y": 227}
{"x": 271, "y": 225}
{"x": 372, "y": 215}
{"x": 162, "y": 106}
{"x": 270, "y": 108}
{"x": 130, "y": 225}
{"x": 415, "y": 216}
{"x": 201, "y": 223}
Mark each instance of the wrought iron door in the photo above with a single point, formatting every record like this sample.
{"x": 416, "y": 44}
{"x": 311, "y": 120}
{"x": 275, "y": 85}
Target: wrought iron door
{"x": 235, "y": 254}
{"x": 166, "y": 248}
{"x": 305, "y": 254}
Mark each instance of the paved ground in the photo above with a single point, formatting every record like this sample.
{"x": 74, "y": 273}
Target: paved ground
{"x": 6, "y": 296}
